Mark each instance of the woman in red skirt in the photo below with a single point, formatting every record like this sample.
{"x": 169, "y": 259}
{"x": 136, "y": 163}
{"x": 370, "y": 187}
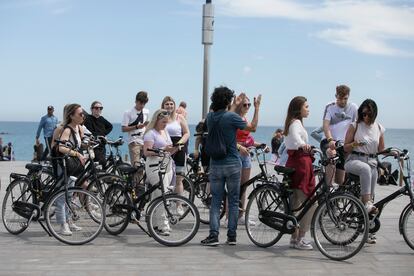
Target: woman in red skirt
{"x": 300, "y": 158}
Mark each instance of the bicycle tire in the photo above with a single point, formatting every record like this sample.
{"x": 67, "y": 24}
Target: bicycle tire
{"x": 177, "y": 229}
{"x": 102, "y": 182}
{"x": 79, "y": 212}
{"x": 266, "y": 197}
{"x": 340, "y": 226}
{"x": 16, "y": 191}
{"x": 407, "y": 225}
{"x": 117, "y": 217}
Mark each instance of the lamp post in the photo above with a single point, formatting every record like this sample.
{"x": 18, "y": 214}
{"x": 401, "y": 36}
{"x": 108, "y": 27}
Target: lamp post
{"x": 207, "y": 41}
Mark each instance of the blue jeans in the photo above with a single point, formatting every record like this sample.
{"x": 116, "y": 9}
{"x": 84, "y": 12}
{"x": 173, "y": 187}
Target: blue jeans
{"x": 221, "y": 175}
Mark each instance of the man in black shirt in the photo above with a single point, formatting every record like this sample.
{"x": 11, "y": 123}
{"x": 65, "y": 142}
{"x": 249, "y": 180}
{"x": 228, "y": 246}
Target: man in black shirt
{"x": 98, "y": 126}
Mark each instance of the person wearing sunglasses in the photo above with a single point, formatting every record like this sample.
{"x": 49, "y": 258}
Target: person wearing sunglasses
{"x": 363, "y": 140}
{"x": 48, "y": 124}
{"x": 98, "y": 126}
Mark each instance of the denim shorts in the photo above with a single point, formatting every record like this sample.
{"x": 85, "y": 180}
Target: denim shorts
{"x": 246, "y": 161}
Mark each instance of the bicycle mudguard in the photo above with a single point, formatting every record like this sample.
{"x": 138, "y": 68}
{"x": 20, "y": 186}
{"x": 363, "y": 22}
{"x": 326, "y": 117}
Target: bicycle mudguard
{"x": 274, "y": 185}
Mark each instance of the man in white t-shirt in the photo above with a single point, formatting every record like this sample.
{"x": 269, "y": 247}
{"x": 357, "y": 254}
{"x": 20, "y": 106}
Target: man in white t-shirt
{"x": 336, "y": 120}
{"x": 134, "y": 122}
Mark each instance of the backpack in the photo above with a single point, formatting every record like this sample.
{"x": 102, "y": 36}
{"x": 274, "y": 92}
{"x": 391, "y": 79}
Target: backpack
{"x": 215, "y": 144}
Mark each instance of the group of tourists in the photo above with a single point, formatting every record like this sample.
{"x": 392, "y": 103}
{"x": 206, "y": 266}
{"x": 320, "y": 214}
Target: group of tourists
{"x": 349, "y": 131}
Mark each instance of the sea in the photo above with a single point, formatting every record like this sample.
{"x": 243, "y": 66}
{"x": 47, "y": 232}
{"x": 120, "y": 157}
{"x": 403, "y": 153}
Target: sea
{"x": 22, "y": 136}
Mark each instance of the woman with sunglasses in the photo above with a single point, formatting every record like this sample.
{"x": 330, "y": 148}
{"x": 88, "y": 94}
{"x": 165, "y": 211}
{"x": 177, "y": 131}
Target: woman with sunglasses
{"x": 157, "y": 137}
{"x": 244, "y": 141}
{"x": 363, "y": 140}
{"x": 179, "y": 132}
{"x": 98, "y": 126}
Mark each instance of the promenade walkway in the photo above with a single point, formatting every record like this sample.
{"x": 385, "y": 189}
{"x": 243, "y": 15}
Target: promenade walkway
{"x": 134, "y": 253}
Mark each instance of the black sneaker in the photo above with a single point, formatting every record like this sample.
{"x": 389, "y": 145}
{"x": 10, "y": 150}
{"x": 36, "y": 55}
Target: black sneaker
{"x": 231, "y": 241}
{"x": 211, "y": 240}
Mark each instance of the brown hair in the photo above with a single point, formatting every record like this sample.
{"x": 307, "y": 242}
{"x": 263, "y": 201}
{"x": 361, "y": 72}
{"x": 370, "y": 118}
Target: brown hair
{"x": 95, "y": 102}
{"x": 342, "y": 90}
{"x": 294, "y": 112}
{"x": 142, "y": 97}
{"x": 69, "y": 111}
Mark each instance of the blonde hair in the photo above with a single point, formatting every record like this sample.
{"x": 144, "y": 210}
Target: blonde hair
{"x": 240, "y": 106}
{"x": 173, "y": 113}
{"x": 154, "y": 119}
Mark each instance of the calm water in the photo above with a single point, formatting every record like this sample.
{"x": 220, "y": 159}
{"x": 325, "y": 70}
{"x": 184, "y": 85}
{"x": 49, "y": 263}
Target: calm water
{"x": 22, "y": 135}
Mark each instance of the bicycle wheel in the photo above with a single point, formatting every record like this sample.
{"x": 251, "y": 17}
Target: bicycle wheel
{"x": 168, "y": 227}
{"x": 14, "y": 215}
{"x": 340, "y": 226}
{"x": 85, "y": 222}
{"x": 117, "y": 214}
{"x": 263, "y": 198}
{"x": 407, "y": 225}
{"x": 99, "y": 185}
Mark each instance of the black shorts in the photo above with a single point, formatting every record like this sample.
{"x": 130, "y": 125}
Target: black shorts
{"x": 340, "y": 152}
{"x": 179, "y": 156}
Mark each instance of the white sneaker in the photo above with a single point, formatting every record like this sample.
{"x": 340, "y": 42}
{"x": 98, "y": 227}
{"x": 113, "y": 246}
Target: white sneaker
{"x": 93, "y": 206}
{"x": 370, "y": 207}
{"x": 302, "y": 244}
{"x": 164, "y": 231}
{"x": 65, "y": 230}
{"x": 180, "y": 210}
{"x": 95, "y": 214}
{"x": 73, "y": 227}
{"x": 242, "y": 221}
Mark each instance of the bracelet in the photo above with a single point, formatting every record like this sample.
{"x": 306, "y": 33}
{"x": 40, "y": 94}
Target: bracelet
{"x": 238, "y": 147}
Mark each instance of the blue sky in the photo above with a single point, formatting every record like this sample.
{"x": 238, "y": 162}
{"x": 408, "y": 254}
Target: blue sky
{"x": 61, "y": 51}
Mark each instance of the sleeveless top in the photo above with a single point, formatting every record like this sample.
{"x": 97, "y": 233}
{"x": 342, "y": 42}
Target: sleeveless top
{"x": 174, "y": 128}
{"x": 369, "y": 134}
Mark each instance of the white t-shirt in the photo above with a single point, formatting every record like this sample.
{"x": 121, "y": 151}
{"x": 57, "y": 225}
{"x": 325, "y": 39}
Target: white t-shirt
{"x": 129, "y": 117}
{"x": 369, "y": 134}
{"x": 340, "y": 118}
{"x": 297, "y": 136}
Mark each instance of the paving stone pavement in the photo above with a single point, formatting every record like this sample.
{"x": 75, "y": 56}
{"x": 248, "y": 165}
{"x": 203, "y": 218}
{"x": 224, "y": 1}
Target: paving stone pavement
{"x": 134, "y": 253}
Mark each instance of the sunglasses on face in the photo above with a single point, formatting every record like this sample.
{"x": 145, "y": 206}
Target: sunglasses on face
{"x": 365, "y": 114}
{"x": 163, "y": 114}
{"x": 98, "y": 107}
{"x": 247, "y": 104}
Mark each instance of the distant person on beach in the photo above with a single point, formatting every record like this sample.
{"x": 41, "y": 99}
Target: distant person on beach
{"x": 337, "y": 118}
{"x": 276, "y": 141}
{"x": 48, "y": 124}
{"x": 8, "y": 152}
{"x": 226, "y": 172}
{"x": 300, "y": 158}
{"x": 1, "y": 149}
{"x": 134, "y": 122}
{"x": 182, "y": 109}
{"x": 98, "y": 126}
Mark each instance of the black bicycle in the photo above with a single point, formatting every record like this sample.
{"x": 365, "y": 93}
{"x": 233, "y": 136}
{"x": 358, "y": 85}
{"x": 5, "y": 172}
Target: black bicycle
{"x": 339, "y": 225}
{"x": 27, "y": 199}
{"x": 406, "y": 221}
{"x": 171, "y": 219}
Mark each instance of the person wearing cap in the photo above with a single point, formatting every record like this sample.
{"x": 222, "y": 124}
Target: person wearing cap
{"x": 48, "y": 123}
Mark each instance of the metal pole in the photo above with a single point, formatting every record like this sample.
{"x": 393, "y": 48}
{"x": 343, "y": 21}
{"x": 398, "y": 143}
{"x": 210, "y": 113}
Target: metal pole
{"x": 207, "y": 41}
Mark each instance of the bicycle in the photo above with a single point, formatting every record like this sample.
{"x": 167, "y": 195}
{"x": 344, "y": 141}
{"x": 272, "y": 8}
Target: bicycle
{"x": 124, "y": 206}
{"x": 406, "y": 220}
{"x": 27, "y": 200}
{"x": 339, "y": 224}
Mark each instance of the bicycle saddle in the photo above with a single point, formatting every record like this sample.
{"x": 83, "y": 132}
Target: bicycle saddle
{"x": 34, "y": 167}
{"x": 284, "y": 170}
{"x": 127, "y": 169}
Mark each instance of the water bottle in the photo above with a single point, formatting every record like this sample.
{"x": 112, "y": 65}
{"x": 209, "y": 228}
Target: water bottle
{"x": 72, "y": 181}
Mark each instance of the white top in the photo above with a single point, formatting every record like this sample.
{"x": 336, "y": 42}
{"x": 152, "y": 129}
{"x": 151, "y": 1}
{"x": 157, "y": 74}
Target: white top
{"x": 369, "y": 134}
{"x": 297, "y": 136}
{"x": 174, "y": 129}
{"x": 340, "y": 118}
{"x": 129, "y": 117}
